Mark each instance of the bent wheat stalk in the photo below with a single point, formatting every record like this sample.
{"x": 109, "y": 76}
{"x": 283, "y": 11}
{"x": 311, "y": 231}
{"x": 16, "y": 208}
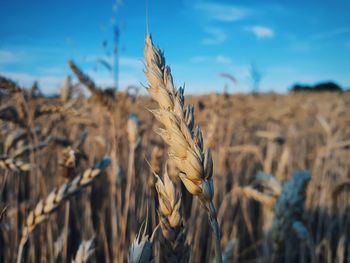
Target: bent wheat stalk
{"x": 56, "y": 198}
{"x": 186, "y": 146}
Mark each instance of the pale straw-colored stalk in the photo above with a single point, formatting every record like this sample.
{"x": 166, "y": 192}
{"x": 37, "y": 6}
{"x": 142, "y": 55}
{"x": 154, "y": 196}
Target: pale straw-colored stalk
{"x": 66, "y": 91}
{"x": 129, "y": 203}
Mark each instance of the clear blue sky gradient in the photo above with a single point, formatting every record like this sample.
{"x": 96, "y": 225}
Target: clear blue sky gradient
{"x": 289, "y": 41}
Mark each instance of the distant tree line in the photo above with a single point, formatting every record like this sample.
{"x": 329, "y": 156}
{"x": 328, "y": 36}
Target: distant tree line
{"x": 319, "y": 87}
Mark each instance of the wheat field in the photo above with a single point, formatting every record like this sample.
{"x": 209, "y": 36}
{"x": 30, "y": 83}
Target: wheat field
{"x": 114, "y": 177}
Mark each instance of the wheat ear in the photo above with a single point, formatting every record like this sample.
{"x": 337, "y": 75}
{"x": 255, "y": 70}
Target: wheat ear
{"x": 9, "y": 85}
{"x": 186, "y": 146}
{"x": 141, "y": 248}
{"x": 272, "y": 189}
{"x": 11, "y": 164}
{"x": 173, "y": 240}
{"x": 288, "y": 214}
{"x": 56, "y": 198}
{"x": 105, "y": 99}
{"x": 10, "y": 113}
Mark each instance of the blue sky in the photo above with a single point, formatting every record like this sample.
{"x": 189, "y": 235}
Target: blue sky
{"x": 289, "y": 41}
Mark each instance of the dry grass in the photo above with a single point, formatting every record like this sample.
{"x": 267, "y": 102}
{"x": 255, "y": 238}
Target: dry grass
{"x": 257, "y": 143}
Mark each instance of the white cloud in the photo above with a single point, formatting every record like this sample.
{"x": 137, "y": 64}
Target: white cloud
{"x": 223, "y": 59}
{"x": 222, "y": 12}
{"x": 261, "y": 31}
{"x": 216, "y": 36}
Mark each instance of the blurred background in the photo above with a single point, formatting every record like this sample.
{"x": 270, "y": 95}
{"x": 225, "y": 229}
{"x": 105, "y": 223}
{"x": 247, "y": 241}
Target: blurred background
{"x": 240, "y": 46}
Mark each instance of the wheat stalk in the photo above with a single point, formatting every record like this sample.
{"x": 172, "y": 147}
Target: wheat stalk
{"x": 66, "y": 91}
{"x": 129, "y": 204}
{"x": 186, "y": 146}
{"x": 272, "y": 136}
{"x": 56, "y": 198}
{"x": 2, "y": 213}
{"x": 212, "y": 129}
{"x": 133, "y": 130}
{"x": 227, "y": 253}
{"x": 85, "y": 251}
{"x": 59, "y": 245}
